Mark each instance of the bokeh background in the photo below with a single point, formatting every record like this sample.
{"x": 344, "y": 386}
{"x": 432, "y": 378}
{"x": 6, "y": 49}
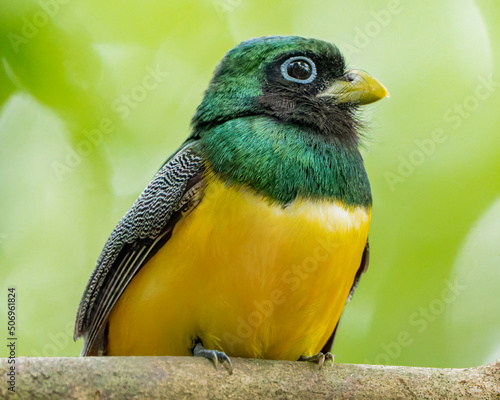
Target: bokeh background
{"x": 95, "y": 95}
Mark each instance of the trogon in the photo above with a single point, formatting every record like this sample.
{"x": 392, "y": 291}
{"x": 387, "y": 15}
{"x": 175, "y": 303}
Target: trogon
{"x": 253, "y": 235}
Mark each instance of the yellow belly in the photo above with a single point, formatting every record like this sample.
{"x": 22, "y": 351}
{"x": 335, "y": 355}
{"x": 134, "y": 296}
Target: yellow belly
{"x": 249, "y": 278}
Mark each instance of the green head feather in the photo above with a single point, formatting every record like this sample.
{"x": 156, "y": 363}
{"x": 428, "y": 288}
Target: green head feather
{"x": 240, "y": 77}
{"x": 265, "y": 123}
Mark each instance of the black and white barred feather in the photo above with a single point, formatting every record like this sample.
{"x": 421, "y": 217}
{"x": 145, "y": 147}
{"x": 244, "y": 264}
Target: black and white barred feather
{"x": 137, "y": 237}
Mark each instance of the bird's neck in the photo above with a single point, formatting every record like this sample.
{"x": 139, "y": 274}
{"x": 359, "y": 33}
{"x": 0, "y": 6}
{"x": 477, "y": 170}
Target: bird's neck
{"x": 283, "y": 161}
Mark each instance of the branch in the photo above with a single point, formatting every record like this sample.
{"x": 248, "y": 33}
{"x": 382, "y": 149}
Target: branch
{"x": 193, "y": 378}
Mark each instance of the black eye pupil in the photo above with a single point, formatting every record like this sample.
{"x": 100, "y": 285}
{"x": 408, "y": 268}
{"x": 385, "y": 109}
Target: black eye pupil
{"x": 299, "y": 70}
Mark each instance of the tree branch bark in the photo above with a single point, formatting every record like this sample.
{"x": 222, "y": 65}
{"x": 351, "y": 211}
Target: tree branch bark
{"x": 192, "y": 378}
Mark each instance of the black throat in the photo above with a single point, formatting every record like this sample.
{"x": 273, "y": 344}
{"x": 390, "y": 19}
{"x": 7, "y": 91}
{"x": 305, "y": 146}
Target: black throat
{"x": 320, "y": 113}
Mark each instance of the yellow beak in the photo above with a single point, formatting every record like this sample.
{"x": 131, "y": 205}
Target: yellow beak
{"x": 356, "y": 87}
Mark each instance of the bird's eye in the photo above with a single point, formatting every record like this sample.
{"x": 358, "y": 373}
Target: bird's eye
{"x": 299, "y": 69}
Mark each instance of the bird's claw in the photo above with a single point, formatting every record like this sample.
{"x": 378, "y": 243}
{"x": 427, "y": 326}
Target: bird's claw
{"x": 215, "y": 355}
{"x": 319, "y": 358}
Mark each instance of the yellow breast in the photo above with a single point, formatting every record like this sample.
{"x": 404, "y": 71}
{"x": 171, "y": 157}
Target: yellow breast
{"x": 246, "y": 277}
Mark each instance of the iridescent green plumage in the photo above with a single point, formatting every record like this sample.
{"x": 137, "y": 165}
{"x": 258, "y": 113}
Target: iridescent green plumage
{"x": 282, "y": 160}
{"x": 278, "y": 137}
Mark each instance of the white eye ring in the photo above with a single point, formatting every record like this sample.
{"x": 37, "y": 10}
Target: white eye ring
{"x": 284, "y": 69}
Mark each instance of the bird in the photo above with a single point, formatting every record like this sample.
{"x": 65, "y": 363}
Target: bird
{"x": 253, "y": 235}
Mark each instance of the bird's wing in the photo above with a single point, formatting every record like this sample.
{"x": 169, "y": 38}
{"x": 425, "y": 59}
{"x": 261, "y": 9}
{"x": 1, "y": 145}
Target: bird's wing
{"x": 175, "y": 190}
{"x": 365, "y": 260}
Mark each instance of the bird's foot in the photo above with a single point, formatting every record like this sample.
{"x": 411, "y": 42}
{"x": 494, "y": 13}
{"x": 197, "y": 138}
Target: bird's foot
{"x": 214, "y": 355}
{"x": 319, "y": 358}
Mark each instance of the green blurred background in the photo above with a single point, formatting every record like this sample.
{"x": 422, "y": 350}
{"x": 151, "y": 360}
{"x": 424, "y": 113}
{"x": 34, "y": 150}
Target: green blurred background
{"x": 95, "y": 95}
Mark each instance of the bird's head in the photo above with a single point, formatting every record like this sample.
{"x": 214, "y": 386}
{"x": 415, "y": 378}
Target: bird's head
{"x": 291, "y": 79}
